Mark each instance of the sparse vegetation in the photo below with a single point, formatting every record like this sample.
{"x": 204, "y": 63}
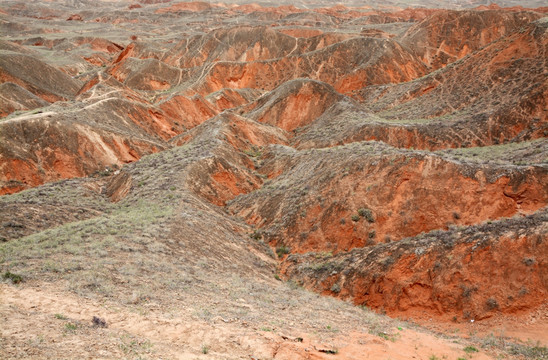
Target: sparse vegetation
{"x": 254, "y": 152}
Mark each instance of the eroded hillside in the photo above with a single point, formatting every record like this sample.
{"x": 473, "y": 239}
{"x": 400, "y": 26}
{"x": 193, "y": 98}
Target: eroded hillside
{"x": 203, "y": 163}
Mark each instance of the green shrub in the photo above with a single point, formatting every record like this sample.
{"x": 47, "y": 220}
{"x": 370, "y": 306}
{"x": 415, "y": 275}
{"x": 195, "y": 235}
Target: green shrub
{"x": 256, "y": 235}
{"x": 71, "y": 327}
{"x": 367, "y": 214}
{"x": 470, "y": 349}
{"x": 282, "y": 250}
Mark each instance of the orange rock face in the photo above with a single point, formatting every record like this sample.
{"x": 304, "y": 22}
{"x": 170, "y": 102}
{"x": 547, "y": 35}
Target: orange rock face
{"x": 294, "y": 104}
{"x": 459, "y": 275}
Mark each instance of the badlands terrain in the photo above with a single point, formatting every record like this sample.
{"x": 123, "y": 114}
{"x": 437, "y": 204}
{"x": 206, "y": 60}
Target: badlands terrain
{"x": 305, "y": 180}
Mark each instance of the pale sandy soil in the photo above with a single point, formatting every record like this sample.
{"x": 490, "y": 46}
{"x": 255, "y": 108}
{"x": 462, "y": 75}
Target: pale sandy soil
{"x": 36, "y": 322}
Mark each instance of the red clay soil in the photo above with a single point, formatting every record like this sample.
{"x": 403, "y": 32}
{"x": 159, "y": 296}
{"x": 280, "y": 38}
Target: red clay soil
{"x": 461, "y": 275}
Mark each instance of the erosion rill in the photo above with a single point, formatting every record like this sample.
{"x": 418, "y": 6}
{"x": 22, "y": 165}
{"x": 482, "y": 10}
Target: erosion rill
{"x": 240, "y": 180}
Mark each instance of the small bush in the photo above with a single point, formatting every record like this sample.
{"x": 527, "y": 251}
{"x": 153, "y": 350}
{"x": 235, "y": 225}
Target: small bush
{"x": 256, "y": 235}
{"x": 14, "y": 278}
{"x": 367, "y": 214}
{"x": 282, "y": 250}
{"x": 205, "y": 349}
{"x": 355, "y": 218}
{"x": 98, "y": 322}
{"x": 492, "y": 304}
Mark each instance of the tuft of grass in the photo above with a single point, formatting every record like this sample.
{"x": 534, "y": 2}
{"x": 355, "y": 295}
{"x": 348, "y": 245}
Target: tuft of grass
{"x": 60, "y": 316}
{"x": 470, "y": 349}
{"x": 205, "y": 349}
{"x": 71, "y": 327}
{"x": 388, "y": 336}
